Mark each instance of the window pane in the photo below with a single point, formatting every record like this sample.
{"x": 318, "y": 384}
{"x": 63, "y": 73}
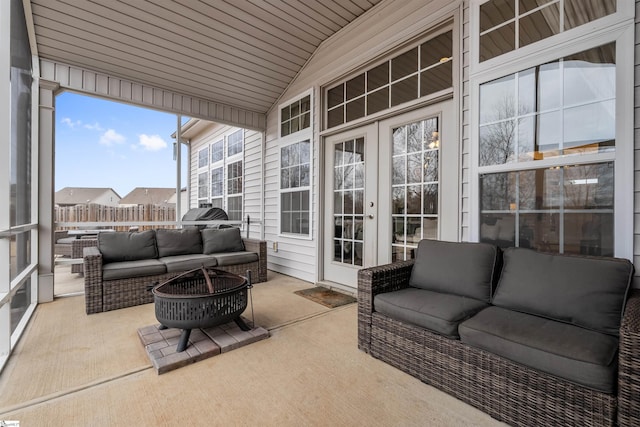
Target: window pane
{"x": 578, "y": 12}
{"x": 335, "y": 96}
{"x": 539, "y": 25}
{"x": 355, "y": 109}
{"x": 378, "y": 76}
{"x": 378, "y": 101}
{"x": 561, "y": 209}
{"x": 404, "y": 64}
{"x": 436, "y": 79}
{"x": 203, "y": 157}
{"x": 497, "y": 42}
{"x": 404, "y": 90}
{"x": 335, "y": 117}
{"x": 20, "y": 302}
{"x": 495, "y": 12}
{"x": 355, "y": 87}
{"x": 436, "y": 50}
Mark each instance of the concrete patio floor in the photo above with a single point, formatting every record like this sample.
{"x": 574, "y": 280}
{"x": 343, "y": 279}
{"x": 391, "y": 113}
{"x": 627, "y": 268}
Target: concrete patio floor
{"x": 79, "y": 370}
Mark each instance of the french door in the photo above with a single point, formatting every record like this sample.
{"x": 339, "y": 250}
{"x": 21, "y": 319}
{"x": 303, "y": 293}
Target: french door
{"x": 387, "y": 186}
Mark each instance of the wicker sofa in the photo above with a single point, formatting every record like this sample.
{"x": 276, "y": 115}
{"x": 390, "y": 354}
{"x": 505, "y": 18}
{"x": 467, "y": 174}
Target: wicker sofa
{"x": 529, "y": 338}
{"x": 118, "y": 271}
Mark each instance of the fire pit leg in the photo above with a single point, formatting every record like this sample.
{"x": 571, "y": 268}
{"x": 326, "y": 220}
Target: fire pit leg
{"x": 241, "y": 324}
{"x": 184, "y": 340}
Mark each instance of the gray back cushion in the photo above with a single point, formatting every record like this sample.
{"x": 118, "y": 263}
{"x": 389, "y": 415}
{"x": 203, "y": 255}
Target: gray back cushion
{"x": 223, "y": 240}
{"x": 584, "y": 291}
{"x": 178, "y": 242}
{"x": 459, "y": 268}
{"x": 127, "y": 246}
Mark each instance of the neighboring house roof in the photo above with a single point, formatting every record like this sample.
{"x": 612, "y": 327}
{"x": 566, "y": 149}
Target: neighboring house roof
{"x": 80, "y": 195}
{"x": 149, "y": 196}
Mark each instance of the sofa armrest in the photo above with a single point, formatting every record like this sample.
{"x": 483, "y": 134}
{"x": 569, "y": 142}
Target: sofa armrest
{"x": 77, "y": 251}
{"x": 259, "y": 247}
{"x": 629, "y": 362}
{"x": 371, "y": 282}
{"x": 92, "y": 269}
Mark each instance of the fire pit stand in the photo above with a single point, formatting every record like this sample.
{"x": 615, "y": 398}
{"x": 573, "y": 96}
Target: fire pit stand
{"x": 201, "y": 298}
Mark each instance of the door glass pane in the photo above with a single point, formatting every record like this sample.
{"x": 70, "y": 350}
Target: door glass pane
{"x": 348, "y": 199}
{"x": 415, "y": 181}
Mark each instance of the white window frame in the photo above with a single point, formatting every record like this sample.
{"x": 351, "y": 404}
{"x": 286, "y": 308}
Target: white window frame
{"x": 293, "y": 138}
{"x": 559, "y": 46}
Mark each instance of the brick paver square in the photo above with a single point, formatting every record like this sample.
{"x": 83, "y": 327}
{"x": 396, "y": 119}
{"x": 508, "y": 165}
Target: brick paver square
{"x": 161, "y": 344}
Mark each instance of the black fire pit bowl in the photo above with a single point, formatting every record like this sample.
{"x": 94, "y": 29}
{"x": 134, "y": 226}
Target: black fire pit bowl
{"x": 200, "y": 298}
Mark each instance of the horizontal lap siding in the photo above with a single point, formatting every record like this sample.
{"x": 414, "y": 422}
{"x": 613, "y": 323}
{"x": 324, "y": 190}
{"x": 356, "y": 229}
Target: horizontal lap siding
{"x": 384, "y": 27}
{"x": 636, "y": 102}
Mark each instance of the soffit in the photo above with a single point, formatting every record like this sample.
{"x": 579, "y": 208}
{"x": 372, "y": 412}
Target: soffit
{"x": 239, "y": 53}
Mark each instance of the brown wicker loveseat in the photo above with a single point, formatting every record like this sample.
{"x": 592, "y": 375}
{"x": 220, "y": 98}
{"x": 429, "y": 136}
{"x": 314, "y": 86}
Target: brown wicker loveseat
{"x": 396, "y": 324}
{"x": 118, "y": 271}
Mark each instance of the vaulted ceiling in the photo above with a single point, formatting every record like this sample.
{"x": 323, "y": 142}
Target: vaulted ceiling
{"x": 242, "y": 53}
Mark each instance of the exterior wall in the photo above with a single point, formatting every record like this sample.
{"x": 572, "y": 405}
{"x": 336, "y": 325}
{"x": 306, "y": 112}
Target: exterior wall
{"x": 383, "y": 28}
{"x": 636, "y": 138}
{"x": 252, "y": 169}
{"x": 110, "y": 198}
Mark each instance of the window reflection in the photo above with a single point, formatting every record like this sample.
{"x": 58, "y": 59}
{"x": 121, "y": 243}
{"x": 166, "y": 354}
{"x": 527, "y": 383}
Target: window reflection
{"x": 561, "y": 209}
{"x": 565, "y": 107}
{"x": 536, "y": 20}
{"x": 415, "y": 187}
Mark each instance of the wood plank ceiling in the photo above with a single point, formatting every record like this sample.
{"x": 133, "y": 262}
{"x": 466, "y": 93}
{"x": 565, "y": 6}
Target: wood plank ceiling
{"x": 243, "y": 53}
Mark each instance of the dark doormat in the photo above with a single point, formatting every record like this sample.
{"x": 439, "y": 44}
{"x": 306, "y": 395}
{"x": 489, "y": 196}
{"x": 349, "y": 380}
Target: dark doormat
{"x": 326, "y": 297}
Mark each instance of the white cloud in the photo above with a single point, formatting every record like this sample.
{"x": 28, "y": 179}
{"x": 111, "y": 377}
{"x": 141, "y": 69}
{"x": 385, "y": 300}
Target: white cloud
{"x": 67, "y": 121}
{"x": 152, "y": 142}
{"x": 95, "y": 126}
{"x": 111, "y": 137}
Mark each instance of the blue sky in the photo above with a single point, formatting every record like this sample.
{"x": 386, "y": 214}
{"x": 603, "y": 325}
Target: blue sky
{"x": 102, "y": 143}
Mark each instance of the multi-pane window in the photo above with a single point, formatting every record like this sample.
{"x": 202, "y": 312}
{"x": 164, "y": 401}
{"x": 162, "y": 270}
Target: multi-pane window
{"x": 217, "y": 187}
{"x": 562, "y": 116}
{"x": 203, "y": 185}
{"x": 506, "y": 25}
{"x": 416, "y": 73}
{"x": 235, "y": 143}
{"x": 295, "y": 116}
{"x": 295, "y": 188}
{"x": 203, "y": 157}
{"x": 217, "y": 151}
{"x": 415, "y": 184}
{"x": 234, "y": 190}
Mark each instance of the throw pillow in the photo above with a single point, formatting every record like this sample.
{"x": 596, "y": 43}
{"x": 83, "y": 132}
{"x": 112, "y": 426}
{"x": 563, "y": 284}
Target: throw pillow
{"x": 178, "y": 242}
{"x": 127, "y": 246}
{"x": 222, "y": 240}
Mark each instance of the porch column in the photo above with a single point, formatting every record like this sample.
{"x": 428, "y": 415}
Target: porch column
{"x": 46, "y": 176}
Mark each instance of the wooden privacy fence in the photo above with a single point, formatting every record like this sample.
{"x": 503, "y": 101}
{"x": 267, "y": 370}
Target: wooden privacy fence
{"x": 106, "y": 214}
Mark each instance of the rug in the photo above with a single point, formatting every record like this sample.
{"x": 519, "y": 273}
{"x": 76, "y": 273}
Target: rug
{"x": 326, "y": 297}
{"x": 161, "y": 344}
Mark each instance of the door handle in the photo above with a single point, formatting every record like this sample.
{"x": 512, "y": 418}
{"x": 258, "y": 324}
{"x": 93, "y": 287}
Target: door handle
{"x": 370, "y": 216}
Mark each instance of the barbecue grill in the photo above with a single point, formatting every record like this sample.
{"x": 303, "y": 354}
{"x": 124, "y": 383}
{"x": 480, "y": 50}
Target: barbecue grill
{"x": 201, "y": 298}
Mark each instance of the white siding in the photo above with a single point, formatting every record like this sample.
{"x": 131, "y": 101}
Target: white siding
{"x": 102, "y": 85}
{"x": 465, "y": 162}
{"x": 252, "y": 169}
{"x": 636, "y": 186}
{"x": 386, "y": 26}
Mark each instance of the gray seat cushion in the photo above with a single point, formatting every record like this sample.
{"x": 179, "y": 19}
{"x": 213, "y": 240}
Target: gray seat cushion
{"x": 223, "y": 240}
{"x": 436, "y": 311}
{"x": 128, "y": 269}
{"x": 188, "y": 262}
{"x": 576, "y": 354}
{"x": 235, "y": 258}
{"x": 584, "y": 291}
{"x": 460, "y": 268}
{"x": 127, "y": 246}
{"x": 178, "y": 242}
{"x": 66, "y": 240}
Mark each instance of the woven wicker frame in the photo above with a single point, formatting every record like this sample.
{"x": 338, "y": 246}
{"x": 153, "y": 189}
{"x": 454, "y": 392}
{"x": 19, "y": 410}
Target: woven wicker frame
{"x": 507, "y": 391}
{"x": 109, "y": 295}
